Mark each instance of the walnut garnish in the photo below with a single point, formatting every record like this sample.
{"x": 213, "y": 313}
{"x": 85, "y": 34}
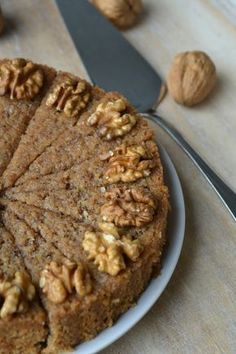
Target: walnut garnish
{"x": 70, "y": 96}
{"x": 16, "y": 293}
{"x": 129, "y": 207}
{"x": 21, "y": 79}
{"x": 129, "y": 163}
{"x": 123, "y": 13}
{"x": 191, "y": 78}
{"x": 104, "y": 251}
{"x": 111, "y": 119}
{"x": 106, "y": 248}
{"x": 132, "y": 248}
{"x": 59, "y": 280}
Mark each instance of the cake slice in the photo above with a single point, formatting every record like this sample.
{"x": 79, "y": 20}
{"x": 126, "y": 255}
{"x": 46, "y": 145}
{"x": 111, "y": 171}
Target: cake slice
{"x": 20, "y": 332}
{"x": 60, "y": 109}
{"x": 73, "y": 192}
{"x": 22, "y": 86}
{"x": 37, "y": 254}
{"x": 61, "y": 155}
{"x": 78, "y": 191}
{"x": 64, "y": 232}
{"x": 71, "y": 147}
{"x": 80, "y": 142}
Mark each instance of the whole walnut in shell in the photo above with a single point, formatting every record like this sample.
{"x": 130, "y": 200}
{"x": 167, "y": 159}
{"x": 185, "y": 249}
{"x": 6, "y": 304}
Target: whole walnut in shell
{"x": 123, "y": 13}
{"x": 191, "y": 78}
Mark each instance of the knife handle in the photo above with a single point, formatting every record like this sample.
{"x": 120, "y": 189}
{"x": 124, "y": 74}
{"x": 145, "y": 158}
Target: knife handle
{"x": 227, "y": 195}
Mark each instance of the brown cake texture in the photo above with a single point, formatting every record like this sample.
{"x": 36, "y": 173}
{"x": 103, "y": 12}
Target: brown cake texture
{"x": 83, "y": 208}
{"x": 16, "y": 335}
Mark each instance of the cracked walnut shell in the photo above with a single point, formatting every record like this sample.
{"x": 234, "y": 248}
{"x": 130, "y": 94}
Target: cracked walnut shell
{"x": 71, "y": 96}
{"x": 191, "y": 78}
{"x": 16, "y": 294}
{"x": 57, "y": 281}
{"x": 129, "y": 163}
{"x": 123, "y": 13}
{"x": 112, "y": 120}
{"x": 106, "y": 248}
{"x": 129, "y": 207}
{"x": 21, "y": 79}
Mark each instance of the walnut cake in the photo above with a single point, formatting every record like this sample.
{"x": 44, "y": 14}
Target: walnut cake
{"x": 83, "y": 208}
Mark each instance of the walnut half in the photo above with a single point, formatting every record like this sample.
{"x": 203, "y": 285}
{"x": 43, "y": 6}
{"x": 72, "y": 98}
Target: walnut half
{"x": 106, "y": 248}
{"x": 129, "y": 207}
{"x": 59, "y": 280}
{"x": 129, "y": 163}
{"x": 16, "y": 293}
{"x": 21, "y": 79}
{"x": 112, "y": 120}
{"x": 70, "y": 96}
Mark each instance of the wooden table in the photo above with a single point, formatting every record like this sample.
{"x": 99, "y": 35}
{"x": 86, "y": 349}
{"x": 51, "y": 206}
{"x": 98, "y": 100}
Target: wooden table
{"x": 197, "y": 311}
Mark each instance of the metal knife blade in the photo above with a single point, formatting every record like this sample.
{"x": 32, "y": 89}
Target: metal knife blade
{"x": 111, "y": 61}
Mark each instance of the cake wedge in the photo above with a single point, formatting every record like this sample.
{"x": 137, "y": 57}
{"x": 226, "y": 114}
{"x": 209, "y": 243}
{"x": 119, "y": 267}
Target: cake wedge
{"x": 16, "y": 323}
{"x": 22, "y": 87}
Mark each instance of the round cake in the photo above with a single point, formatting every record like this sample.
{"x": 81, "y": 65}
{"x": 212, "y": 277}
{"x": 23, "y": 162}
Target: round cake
{"x": 83, "y": 208}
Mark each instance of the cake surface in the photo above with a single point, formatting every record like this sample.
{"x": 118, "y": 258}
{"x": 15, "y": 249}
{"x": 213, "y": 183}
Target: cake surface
{"x": 83, "y": 208}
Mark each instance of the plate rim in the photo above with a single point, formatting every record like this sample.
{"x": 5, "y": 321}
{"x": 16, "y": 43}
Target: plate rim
{"x": 157, "y": 285}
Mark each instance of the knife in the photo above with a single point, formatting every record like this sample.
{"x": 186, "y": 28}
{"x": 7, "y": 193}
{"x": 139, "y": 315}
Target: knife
{"x": 115, "y": 65}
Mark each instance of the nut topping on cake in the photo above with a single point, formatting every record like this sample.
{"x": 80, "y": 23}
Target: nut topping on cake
{"x": 107, "y": 248}
{"x": 112, "y": 120}
{"x": 16, "y": 294}
{"x": 57, "y": 281}
{"x": 21, "y": 79}
{"x": 129, "y": 163}
{"x": 104, "y": 251}
{"x": 129, "y": 207}
{"x": 70, "y": 96}
{"x": 131, "y": 248}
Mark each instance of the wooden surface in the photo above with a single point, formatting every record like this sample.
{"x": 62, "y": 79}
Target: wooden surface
{"x": 197, "y": 311}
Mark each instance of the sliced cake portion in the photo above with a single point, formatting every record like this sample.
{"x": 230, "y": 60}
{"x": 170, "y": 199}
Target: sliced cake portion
{"x": 73, "y": 192}
{"x": 80, "y": 191}
{"x": 23, "y": 326}
{"x": 83, "y": 140}
{"x": 70, "y": 147}
{"x": 64, "y": 232}
{"x": 22, "y": 86}
{"x": 68, "y": 98}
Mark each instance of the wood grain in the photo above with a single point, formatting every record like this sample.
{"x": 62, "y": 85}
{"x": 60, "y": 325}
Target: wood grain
{"x": 197, "y": 312}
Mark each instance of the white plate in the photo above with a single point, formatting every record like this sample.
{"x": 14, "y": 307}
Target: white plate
{"x": 176, "y": 226}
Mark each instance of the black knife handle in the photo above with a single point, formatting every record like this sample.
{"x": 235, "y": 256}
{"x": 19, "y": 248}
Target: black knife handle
{"x": 226, "y": 194}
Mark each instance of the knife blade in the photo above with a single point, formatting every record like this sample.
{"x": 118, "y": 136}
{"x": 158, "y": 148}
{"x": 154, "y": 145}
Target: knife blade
{"x": 109, "y": 58}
